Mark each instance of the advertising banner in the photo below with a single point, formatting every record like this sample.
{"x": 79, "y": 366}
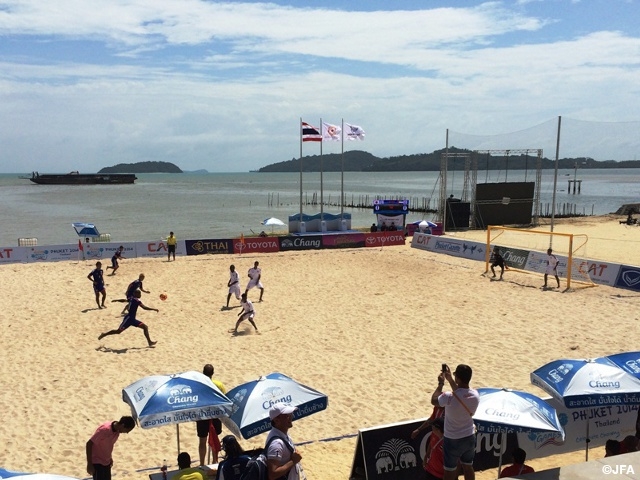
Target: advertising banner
{"x": 628, "y": 277}
{"x": 343, "y": 240}
{"x": 13, "y": 254}
{"x": 158, "y": 249}
{"x": 53, "y": 253}
{"x": 256, "y": 245}
{"x": 306, "y": 242}
{"x": 384, "y": 239}
{"x": 389, "y": 452}
{"x": 203, "y": 247}
{"x": 602, "y": 273}
{"x": 456, "y": 247}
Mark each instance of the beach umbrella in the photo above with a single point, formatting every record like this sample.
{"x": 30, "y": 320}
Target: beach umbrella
{"x": 85, "y": 229}
{"x": 252, "y": 400}
{"x": 595, "y": 382}
{"x": 503, "y": 411}
{"x": 425, "y": 223}
{"x": 173, "y": 399}
{"x": 273, "y": 222}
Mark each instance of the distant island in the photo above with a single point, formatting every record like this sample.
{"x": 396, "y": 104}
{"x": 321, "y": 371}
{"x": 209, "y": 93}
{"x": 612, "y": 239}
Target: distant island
{"x": 142, "y": 167}
{"x": 360, "y": 161}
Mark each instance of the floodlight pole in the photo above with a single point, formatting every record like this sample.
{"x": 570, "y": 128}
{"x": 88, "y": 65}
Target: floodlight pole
{"x": 300, "y": 127}
{"x": 555, "y": 181}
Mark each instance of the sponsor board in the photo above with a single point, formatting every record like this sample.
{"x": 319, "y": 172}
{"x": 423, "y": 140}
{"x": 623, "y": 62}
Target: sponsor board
{"x": 256, "y": 245}
{"x": 628, "y": 277}
{"x": 384, "y": 239}
{"x": 514, "y": 257}
{"x": 343, "y": 240}
{"x": 13, "y": 254}
{"x": 306, "y": 242}
{"x": 158, "y": 249}
{"x": 53, "y": 253}
{"x": 450, "y": 246}
{"x": 108, "y": 249}
{"x": 602, "y": 273}
{"x": 209, "y": 246}
{"x": 537, "y": 262}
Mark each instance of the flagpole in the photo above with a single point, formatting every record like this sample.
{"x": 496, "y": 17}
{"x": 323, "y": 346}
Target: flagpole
{"x": 321, "y": 186}
{"x": 342, "y": 176}
{"x": 555, "y": 181}
{"x": 300, "y": 219}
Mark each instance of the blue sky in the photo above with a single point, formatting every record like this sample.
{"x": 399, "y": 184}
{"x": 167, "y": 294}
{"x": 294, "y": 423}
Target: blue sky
{"x": 222, "y": 85}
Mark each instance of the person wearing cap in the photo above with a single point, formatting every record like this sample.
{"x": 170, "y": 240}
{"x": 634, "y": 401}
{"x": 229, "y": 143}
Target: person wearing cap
{"x": 434, "y": 457}
{"x": 459, "y": 430}
{"x": 235, "y": 460}
{"x": 518, "y": 467}
{"x": 186, "y": 471}
{"x": 283, "y": 459}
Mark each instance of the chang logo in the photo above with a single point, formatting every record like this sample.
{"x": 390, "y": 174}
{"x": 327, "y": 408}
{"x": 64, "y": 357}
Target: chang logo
{"x": 273, "y": 395}
{"x": 286, "y": 243}
{"x": 603, "y": 384}
{"x": 181, "y": 394}
{"x": 633, "y": 365}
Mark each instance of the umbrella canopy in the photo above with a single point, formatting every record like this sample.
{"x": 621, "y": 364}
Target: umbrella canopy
{"x": 85, "y": 229}
{"x": 171, "y": 399}
{"x": 512, "y": 411}
{"x": 271, "y": 222}
{"x": 252, "y": 401}
{"x": 425, "y": 224}
{"x": 581, "y": 383}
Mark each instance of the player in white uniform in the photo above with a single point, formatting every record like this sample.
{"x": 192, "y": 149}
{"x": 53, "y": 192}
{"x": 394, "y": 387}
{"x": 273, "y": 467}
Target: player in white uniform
{"x": 254, "y": 274}
{"x": 233, "y": 284}
{"x": 552, "y": 268}
{"x": 247, "y": 313}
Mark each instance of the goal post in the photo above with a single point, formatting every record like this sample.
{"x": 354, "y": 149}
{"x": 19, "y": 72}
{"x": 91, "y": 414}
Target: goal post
{"x": 525, "y": 250}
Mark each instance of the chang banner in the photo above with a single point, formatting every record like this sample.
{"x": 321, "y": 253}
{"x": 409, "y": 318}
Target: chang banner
{"x": 306, "y": 242}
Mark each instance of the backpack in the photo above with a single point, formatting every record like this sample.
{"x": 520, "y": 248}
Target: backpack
{"x": 256, "y": 468}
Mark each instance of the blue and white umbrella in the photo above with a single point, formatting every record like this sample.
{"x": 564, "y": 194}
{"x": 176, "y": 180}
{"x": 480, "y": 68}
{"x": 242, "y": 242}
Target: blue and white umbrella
{"x": 425, "y": 223}
{"x": 252, "y": 401}
{"x": 503, "y": 411}
{"x": 595, "y": 382}
{"x": 85, "y": 229}
{"x": 173, "y": 399}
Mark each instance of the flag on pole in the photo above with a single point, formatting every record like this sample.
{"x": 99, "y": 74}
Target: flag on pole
{"x": 330, "y": 132}
{"x": 310, "y": 133}
{"x": 353, "y": 132}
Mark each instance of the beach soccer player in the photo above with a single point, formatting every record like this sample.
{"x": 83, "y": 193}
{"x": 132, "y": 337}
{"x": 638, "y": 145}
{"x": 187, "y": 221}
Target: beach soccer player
{"x": 130, "y": 320}
{"x": 171, "y": 246}
{"x": 247, "y": 313}
{"x": 254, "y": 275}
{"x": 552, "y": 268}
{"x": 497, "y": 261}
{"x": 233, "y": 284}
{"x": 133, "y": 286}
{"x": 97, "y": 277}
{"x": 114, "y": 260}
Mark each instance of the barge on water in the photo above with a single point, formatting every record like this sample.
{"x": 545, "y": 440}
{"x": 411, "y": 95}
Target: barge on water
{"x": 77, "y": 178}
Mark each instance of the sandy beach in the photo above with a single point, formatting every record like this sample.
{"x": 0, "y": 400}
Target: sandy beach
{"x": 369, "y": 327}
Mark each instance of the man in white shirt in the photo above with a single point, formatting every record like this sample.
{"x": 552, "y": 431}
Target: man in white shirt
{"x": 247, "y": 313}
{"x": 254, "y": 274}
{"x": 459, "y": 430}
{"x": 283, "y": 459}
{"x": 233, "y": 284}
{"x": 552, "y": 268}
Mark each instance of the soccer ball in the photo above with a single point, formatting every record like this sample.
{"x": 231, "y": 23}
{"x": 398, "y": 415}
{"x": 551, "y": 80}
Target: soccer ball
{"x": 163, "y": 296}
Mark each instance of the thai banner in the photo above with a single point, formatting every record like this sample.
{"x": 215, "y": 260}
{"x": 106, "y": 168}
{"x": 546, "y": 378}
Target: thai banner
{"x": 209, "y": 246}
{"x": 343, "y": 240}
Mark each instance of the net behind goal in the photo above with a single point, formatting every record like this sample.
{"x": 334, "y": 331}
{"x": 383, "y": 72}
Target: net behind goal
{"x": 527, "y": 250}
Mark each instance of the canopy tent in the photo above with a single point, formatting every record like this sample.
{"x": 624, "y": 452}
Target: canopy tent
{"x": 85, "y": 229}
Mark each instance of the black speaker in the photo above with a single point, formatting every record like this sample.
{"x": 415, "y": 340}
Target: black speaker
{"x": 457, "y": 215}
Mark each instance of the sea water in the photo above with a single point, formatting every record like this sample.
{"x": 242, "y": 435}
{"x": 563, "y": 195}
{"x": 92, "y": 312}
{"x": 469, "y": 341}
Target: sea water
{"x": 225, "y": 205}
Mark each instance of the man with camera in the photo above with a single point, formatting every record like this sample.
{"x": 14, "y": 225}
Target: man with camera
{"x": 459, "y": 430}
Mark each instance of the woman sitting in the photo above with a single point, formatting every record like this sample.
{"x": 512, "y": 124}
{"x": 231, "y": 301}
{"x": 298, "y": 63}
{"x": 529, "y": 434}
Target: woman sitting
{"x": 235, "y": 460}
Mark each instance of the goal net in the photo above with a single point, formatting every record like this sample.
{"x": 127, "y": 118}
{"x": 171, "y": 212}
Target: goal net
{"x": 526, "y": 250}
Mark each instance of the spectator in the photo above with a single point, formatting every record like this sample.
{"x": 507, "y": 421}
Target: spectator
{"x": 283, "y": 459}
{"x": 374, "y": 228}
{"x": 518, "y": 467}
{"x": 459, "y": 430}
{"x": 434, "y": 456}
{"x": 611, "y": 448}
{"x": 99, "y": 448}
{"x": 186, "y": 471}
{"x": 235, "y": 460}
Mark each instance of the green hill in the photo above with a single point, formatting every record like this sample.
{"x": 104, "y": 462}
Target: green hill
{"x": 142, "y": 167}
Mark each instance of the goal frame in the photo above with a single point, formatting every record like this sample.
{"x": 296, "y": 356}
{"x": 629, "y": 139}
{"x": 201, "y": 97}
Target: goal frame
{"x": 549, "y": 234}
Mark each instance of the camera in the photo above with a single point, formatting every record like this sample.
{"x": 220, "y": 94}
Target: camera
{"x": 444, "y": 367}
